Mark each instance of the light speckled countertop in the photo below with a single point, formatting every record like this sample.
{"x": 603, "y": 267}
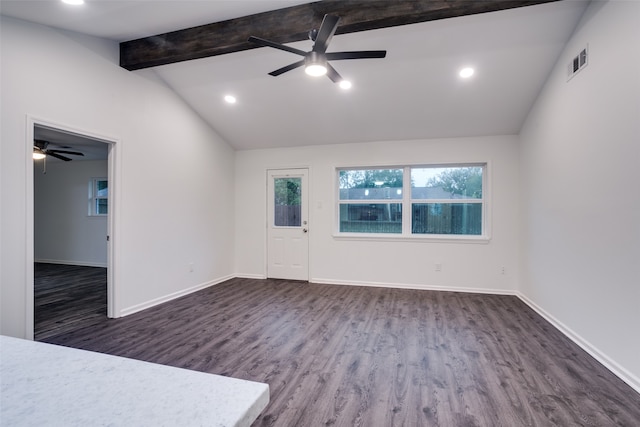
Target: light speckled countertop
{"x": 48, "y": 385}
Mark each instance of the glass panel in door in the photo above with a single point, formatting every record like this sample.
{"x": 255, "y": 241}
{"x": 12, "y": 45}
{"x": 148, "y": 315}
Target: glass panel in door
{"x": 287, "y": 202}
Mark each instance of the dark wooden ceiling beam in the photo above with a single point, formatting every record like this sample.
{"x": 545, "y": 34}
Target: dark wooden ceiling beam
{"x": 292, "y": 24}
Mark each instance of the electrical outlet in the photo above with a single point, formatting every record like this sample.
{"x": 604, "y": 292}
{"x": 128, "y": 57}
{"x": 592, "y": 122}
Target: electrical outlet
{"x": 503, "y": 270}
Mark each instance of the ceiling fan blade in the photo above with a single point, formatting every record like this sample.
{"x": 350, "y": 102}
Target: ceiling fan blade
{"x": 75, "y": 153}
{"x": 360, "y": 54}
{"x": 57, "y": 156}
{"x": 333, "y": 74}
{"x": 325, "y": 33}
{"x": 287, "y": 68}
{"x": 263, "y": 42}
{"x": 40, "y": 143}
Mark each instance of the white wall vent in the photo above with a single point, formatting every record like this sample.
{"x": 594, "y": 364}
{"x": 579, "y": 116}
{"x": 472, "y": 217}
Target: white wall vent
{"x": 578, "y": 63}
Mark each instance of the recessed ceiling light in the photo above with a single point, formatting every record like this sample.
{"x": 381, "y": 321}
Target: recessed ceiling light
{"x": 230, "y": 99}
{"x": 465, "y": 73}
{"x": 73, "y": 2}
{"x": 345, "y": 84}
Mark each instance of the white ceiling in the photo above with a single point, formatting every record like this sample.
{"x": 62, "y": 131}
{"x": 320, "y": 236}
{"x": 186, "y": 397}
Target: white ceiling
{"x": 414, "y": 93}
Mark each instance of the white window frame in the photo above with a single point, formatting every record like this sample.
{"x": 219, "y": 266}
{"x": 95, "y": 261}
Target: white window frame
{"x": 407, "y": 201}
{"x": 93, "y": 197}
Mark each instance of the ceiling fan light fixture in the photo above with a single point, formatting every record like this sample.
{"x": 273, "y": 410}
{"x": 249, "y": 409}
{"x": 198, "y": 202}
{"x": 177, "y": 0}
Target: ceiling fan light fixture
{"x": 316, "y": 70}
{"x": 315, "y": 64}
{"x": 38, "y": 155}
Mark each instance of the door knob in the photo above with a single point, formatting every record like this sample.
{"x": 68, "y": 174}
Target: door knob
{"x": 304, "y": 230}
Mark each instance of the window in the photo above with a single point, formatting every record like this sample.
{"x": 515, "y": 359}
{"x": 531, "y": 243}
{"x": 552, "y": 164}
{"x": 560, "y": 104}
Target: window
{"x": 370, "y": 200}
{"x": 413, "y": 201}
{"x": 446, "y": 200}
{"x": 98, "y": 197}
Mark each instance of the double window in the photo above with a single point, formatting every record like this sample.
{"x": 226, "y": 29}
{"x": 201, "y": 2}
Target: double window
{"x": 426, "y": 201}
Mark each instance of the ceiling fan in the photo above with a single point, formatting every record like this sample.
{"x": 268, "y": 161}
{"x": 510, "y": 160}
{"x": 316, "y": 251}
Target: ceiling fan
{"x": 41, "y": 150}
{"x": 316, "y": 61}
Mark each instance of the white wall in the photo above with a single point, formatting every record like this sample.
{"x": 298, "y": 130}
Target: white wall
{"x": 399, "y": 263}
{"x": 171, "y": 170}
{"x": 64, "y": 233}
{"x": 580, "y": 150}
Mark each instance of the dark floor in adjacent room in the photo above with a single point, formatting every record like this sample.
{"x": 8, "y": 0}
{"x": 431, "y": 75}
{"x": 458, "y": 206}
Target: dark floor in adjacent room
{"x": 67, "y": 297}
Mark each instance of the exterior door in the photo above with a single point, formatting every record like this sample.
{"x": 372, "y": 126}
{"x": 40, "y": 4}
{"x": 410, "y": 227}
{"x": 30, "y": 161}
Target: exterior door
{"x": 287, "y": 226}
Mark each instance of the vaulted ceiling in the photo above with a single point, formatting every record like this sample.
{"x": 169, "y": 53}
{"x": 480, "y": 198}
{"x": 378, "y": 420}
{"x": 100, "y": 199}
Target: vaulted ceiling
{"x": 414, "y": 93}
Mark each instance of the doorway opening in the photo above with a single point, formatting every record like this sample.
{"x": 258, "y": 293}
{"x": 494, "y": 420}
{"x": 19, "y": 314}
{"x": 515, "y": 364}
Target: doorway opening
{"x": 71, "y": 263}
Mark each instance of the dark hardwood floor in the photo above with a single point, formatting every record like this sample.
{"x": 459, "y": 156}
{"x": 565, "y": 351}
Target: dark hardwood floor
{"x": 359, "y": 356}
{"x": 67, "y": 297}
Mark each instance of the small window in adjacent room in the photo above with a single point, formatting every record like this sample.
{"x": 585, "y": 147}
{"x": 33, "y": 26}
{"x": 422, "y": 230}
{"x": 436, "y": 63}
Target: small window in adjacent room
{"x": 98, "y": 197}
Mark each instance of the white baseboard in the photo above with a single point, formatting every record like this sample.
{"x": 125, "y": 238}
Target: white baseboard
{"x": 610, "y": 364}
{"x": 251, "y": 276}
{"x": 413, "y": 286}
{"x": 69, "y": 262}
{"x": 166, "y": 298}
